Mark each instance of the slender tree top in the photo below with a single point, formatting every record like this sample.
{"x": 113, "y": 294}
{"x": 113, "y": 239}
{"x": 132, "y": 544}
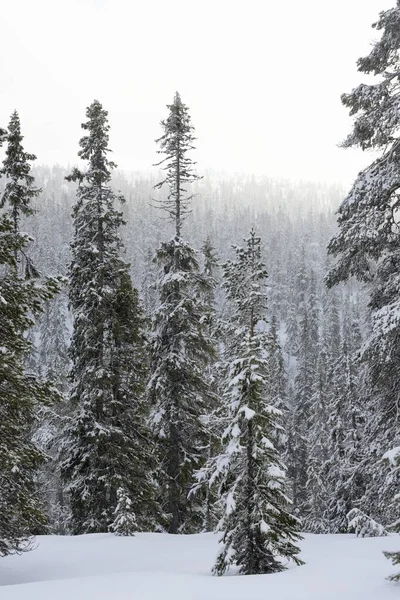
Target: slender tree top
{"x": 211, "y": 261}
{"x": 94, "y": 148}
{"x": 245, "y": 280}
{"x": 176, "y": 142}
{"x": 19, "y": 190}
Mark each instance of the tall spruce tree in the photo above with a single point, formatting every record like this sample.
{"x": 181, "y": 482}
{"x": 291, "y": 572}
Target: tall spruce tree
{"x": 257, "y": 529}
{"x": 54, "y": 363}
{"x": 367, "y": 244}
{"x": 298, "y": 459}
{"x": 19, "y": 189}
{"x": 22, "y": 299}
{"x": 178, "y": 387}
{"x": 211, "y": 418}
{"x": 20, "y": 396}
{"x": 108, "y": 445}
{"x": 314, "y": 518}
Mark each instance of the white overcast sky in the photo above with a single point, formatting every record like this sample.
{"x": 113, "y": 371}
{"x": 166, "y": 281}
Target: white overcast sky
{"x": 262, "y": 78}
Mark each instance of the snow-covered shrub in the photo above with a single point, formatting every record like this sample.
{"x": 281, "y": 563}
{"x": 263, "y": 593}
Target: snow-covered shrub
{"x": 125, "y": 519}
{"x": 363, "y": 525}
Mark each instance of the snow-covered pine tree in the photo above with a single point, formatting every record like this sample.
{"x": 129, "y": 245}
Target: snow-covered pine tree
{"x": 54, "y": 341}
{"x": 21, "y": 393}
{"x": 257, "y": 529}
{"x": 19, "y": 189}
{"x": 210, "y": 266}
{"x": 340, "y": 476}
{"x": 54, "y": 363}
{"x": 124, "y": 518}
{"x": 393, "y": 458}
{"x": 314, "y": 519}
{"x": 368, "y": 245}
{"x": 363, "y": 525}
{"x": 181, "y": 350}
{"x": 213, "y": 371}
{"x": 148, "y": 283}
{"x": 108, "y": 445}
{"x": 278, "y": 383}
{"x": 298, "y": 458}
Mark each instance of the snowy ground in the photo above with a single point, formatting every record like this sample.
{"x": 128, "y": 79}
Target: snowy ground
{"x": 152, "y": 566}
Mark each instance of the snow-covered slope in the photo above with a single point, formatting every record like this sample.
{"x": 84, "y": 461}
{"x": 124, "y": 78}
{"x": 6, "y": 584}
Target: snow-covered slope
{"x": 152, "y": 566}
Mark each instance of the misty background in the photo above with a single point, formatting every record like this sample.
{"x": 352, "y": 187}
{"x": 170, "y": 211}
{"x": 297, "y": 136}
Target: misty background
{"x": 262, "y": 79}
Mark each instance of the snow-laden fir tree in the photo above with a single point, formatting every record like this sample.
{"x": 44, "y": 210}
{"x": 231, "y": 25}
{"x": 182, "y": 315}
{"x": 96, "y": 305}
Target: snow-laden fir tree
{"x": 363, "y": 525}
{"x": 54, "y": 341}
{"x": 277, "y": 370}
{"x": 393, "y": 458}
{"x": 21, "y": 394}
{"x": 148, "y": 283}
{"x": 213, "y": 371}
{"x": 22, "y": 299}
{"x": 54, "y": 363}
{"x": 124, "y": 518}
{"x": 257, "y": 529}
{"x": 314, "y": 519}
{"x": 179, "y": 389}
{"x": 20, "y": 187}
{"x": 108, "y": 445}
{"x": 340, "y": 476}
{"x": 368, "y": 245}
{"x": 298, "y": 457}
{"x": 278, "y": 388}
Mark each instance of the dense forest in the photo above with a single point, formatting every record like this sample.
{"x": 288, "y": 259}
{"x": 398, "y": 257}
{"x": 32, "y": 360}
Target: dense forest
{"x": 189, "y": 352}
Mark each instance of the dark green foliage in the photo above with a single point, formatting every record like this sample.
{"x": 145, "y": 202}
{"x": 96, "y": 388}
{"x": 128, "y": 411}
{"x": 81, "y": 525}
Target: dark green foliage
{"x": 19, "y": 190}
{"x": 257, "y": 529}
{"x": 108, "y": 445}
{"x": 298, "y": 457}
{"x": 178, "y": 388}
{"x": 392, "y": 457}
{"x": 124, "y": 523}
{"x": 175, "y": 143}
{"x": 20, "y": 395}
{"x": 367, "y": 247}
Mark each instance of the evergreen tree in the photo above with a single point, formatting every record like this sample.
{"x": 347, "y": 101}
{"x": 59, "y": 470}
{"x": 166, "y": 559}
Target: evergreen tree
{"x": 54, "y": 363}
{"x": 392, "y": 457}
{"x": 367, "y": 244}
{"x": 257, "y": 529}
{"x": 149, "y": 283}
{"x": 125, "y": 520}
{"x": 210, "y": 265}
{"x": 292, "y": 325}
{"x": 21, "y": 393}
{"x": 298, "y": 458}
{"x": 54, "y": 341}
{"x": 211, "y": 418}
{"x": 108, "y": 445}
{"x": 181, "y": 350}
{"x": 20, "y": 189}
{"x": 175, "y": 144}
{"x": 363, "y": 525}
{"x": 318, "y": 441}
{"x": 277, "y": 377}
